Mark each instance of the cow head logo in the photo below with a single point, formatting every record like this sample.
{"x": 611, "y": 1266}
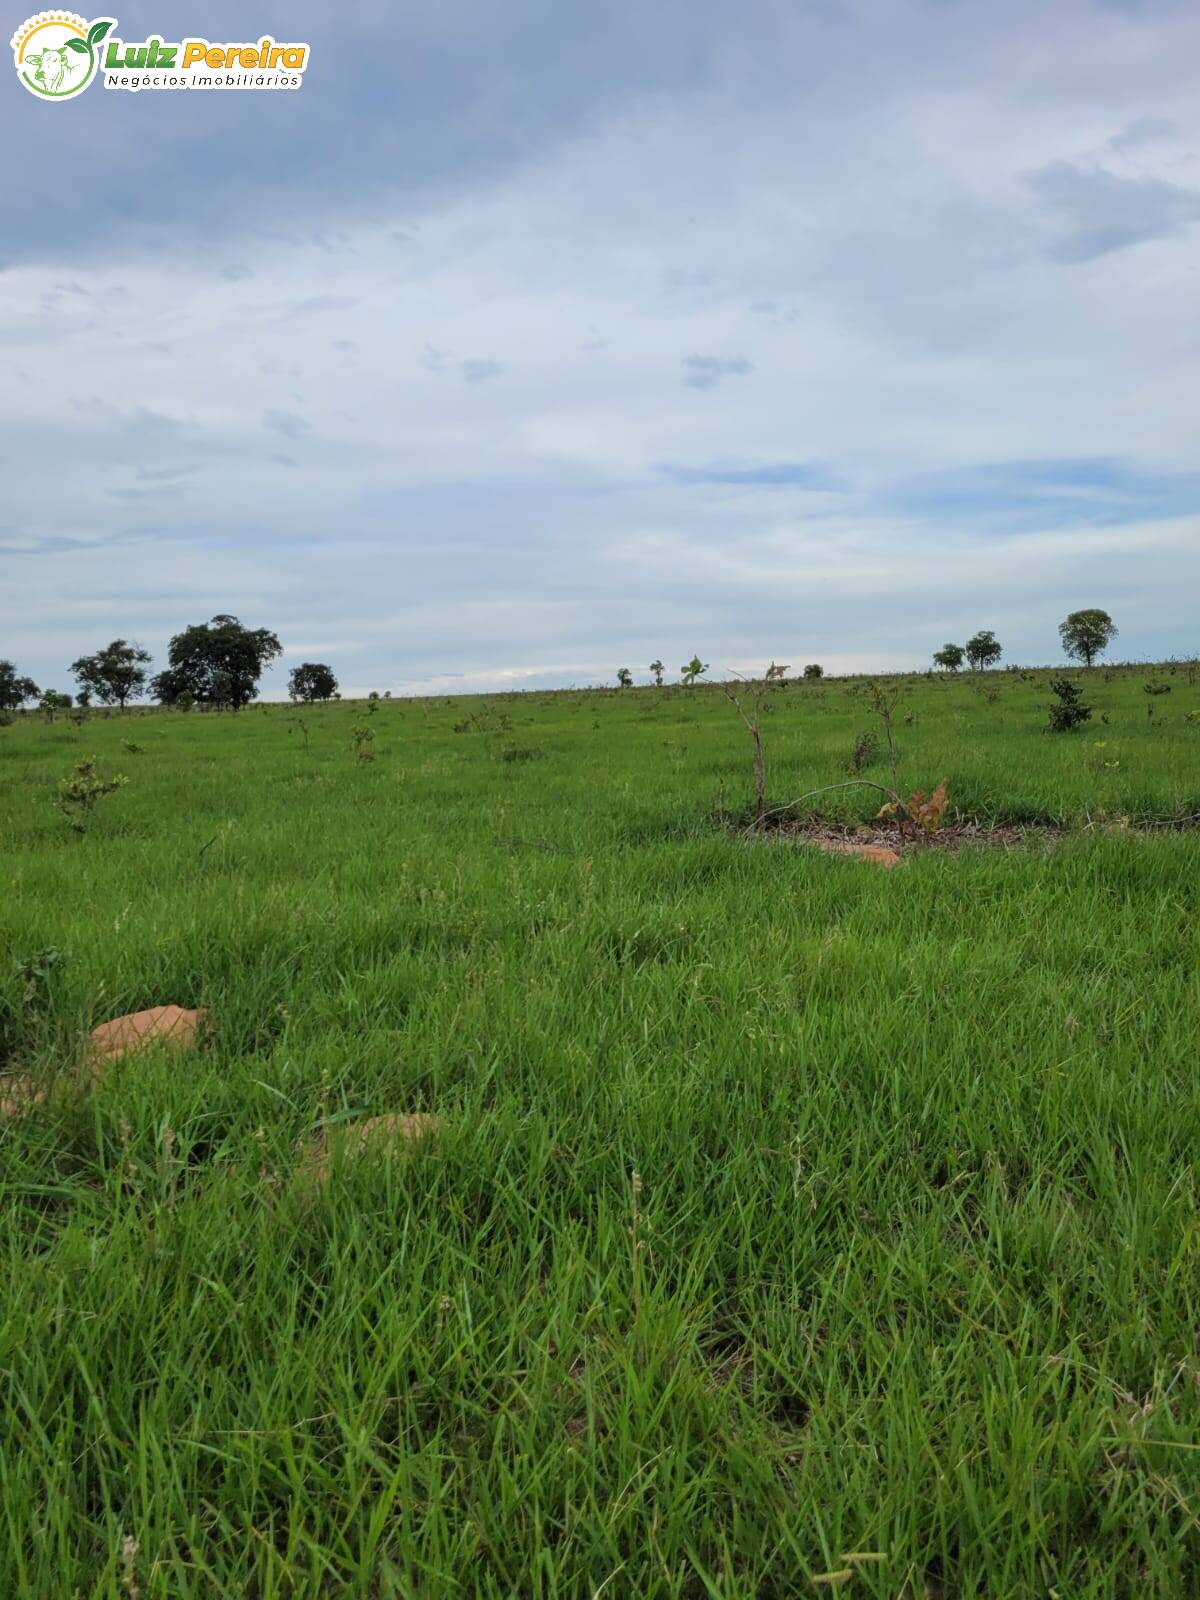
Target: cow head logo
{"x": 57, "y": 54}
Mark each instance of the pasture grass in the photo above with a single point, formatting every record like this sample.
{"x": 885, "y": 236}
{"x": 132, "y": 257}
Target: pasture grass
{"x": 911, "y": 1263}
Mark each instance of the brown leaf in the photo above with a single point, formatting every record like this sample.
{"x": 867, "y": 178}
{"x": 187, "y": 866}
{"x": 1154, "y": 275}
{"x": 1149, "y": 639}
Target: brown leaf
{"x": 936, "y": 808}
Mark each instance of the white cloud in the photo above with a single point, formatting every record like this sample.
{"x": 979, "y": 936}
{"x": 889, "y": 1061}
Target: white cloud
{"x": 850, "y": 267}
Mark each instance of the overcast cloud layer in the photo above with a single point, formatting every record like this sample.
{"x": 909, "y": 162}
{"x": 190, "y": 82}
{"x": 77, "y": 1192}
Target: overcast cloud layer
{"x": 528, "y": 341}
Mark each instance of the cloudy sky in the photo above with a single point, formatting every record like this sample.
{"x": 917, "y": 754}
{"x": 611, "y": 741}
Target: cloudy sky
{"x": 531, "y": 340}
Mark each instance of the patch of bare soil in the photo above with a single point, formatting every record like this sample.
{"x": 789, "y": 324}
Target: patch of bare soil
{"x": 884, "y": 844}
{"x": 377, "y": 1136}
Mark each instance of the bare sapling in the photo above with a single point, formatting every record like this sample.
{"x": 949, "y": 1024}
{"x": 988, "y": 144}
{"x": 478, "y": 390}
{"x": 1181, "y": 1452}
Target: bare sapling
{"x": 755, "y": 689}
{"x": 921, "y": 814}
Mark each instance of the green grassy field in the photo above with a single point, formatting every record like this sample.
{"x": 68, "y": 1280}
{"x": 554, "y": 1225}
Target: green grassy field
{"x": 911, "y": 1265}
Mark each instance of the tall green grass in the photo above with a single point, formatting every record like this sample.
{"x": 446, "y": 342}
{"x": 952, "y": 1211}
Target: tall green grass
{"x": 915, "y": 1262}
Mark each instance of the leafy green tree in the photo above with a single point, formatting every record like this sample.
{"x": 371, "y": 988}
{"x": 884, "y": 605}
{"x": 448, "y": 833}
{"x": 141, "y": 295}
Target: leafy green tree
{"x": 1087, "y": 634}
{"x": 983, "y": 649}
{"x": 950, "y": 657}
{"x": 225, "y": 689}
{"x": 115, "y": 674}
{"x": 656, "y": 667}
{"x": 14, "y": 689}
{"x": 813, "y": 671}
{"x": 218, "y": 663}
{"x": 53, "y": 701}
{"x": 693, "y": 670}
{"x": 169, "y": 687}
{"x": 624, "y": 677}
{"x": 312, "y": 680}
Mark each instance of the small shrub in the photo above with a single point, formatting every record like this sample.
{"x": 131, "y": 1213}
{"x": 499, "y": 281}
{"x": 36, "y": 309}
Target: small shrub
{"x": 78, "y": 794}
{"x": 486, "y": 721}
{"x": 1156, "y": 688}
{"x": 1070, "y": 710}
{"x": 884, "y": 706}
{"x": 134, "y": 749}
{"x": 523, "y": 753}
{"x": 36, "y": 975}
{"x": 363, "y": 739}
{"x": 1100, "y": 752}
{"x": 865, "y": 753}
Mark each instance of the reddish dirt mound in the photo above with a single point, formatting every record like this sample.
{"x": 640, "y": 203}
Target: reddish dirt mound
{"x": 19, "y": 1094}
{"x": 170, "y": 1025}
{"x": 374, "y": 1136}
{"x": 881, "y": 854}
